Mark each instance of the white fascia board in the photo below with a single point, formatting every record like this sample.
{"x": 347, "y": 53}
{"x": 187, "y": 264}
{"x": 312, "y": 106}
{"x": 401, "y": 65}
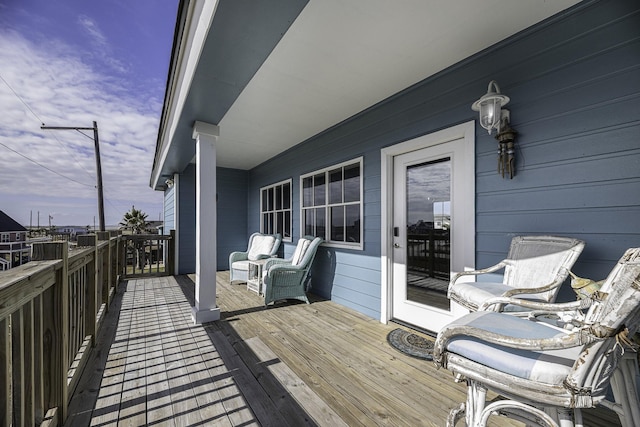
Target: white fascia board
{"x": 198, "y": 22}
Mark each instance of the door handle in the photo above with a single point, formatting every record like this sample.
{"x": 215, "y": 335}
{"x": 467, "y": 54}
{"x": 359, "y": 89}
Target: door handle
{"x": 395, "y": 245}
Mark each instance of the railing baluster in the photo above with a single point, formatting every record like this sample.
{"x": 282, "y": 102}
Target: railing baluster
{"x": 5, "y": 373}
{"x": 17, "y": 367}
{"x": 38, "y": 370}
{"x": 29, "y": 359}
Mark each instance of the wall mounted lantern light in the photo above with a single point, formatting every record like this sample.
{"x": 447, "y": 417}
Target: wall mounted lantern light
{"x": 169, "y": 183}
{"x": 493, "y": 116}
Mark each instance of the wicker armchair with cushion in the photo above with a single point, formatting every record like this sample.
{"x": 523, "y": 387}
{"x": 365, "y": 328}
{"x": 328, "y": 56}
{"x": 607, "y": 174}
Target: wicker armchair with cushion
{"x": 261, "y": 246}
{"x": 288, "y": 278}
{"x": 534, "y": 269}
{"x": 548, "y": 373}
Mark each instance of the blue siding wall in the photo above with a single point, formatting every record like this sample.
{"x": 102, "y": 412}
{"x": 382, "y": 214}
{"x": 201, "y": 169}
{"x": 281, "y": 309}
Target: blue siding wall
{"x": 232, "y": 218}
{"x": 574, "y": 83}
{"x": 187, "y": 220}
{"x": 169, "y": 210}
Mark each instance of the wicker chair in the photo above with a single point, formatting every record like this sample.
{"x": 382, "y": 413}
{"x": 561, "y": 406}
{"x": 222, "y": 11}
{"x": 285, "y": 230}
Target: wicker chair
{"x": 261, "y": 246}
{"x": 547, "y": 373}
{"x": 535, "y": 268}
{"x": 288, "y": 278}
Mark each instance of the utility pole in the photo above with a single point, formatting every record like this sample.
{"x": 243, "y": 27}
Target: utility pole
{"x": 96, "y": 143}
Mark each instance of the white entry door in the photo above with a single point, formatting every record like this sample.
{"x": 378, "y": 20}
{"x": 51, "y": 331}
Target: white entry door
{"x": 432, "y": 231}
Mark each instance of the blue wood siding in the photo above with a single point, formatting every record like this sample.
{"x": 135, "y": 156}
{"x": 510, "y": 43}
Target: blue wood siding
{"x": 574, "y": 83}
{"x": 169, "y": 210}
{"x": 187, "y": 221}
{"x": 231, "y": 217}
{"x": 232, "y": 214}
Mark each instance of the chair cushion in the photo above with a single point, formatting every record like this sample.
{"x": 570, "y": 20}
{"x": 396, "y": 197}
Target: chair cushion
{"x": 479, "y": 292}
{"x": 301, "y": 249}
{"x": 241, "y": 265}
{"x": 260, "y": 246}
{"x": 549, "y": 367}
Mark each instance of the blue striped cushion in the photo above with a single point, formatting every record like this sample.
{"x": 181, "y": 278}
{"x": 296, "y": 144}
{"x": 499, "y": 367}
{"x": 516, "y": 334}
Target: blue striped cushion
{"x": 549, "y": 367}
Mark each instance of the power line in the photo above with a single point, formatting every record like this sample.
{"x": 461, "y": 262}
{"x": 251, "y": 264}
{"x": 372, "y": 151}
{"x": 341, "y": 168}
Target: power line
{"x": 47, "y": 168}
{"x": 20, "y": 98}
{"x": 42, "y": 122}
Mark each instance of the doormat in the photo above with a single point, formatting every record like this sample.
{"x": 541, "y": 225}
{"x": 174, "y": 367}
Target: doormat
{"x": 411, "y": 344}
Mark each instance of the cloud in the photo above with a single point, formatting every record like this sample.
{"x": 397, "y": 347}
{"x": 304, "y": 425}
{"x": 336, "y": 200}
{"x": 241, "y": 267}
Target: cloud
{"x": 49, "y": 82}
{"x": 101, "y": 45}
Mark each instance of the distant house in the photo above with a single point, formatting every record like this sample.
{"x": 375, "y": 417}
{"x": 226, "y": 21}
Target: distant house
{"x": 69, "y": 232}
{"x": 13, "y": 243}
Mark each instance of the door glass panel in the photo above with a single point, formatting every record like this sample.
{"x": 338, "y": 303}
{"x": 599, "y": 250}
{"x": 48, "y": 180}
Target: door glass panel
{"x": 428, "y": 195}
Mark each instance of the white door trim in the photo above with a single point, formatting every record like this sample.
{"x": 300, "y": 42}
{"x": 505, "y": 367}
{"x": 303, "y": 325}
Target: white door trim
{"x": 465, "y": 131}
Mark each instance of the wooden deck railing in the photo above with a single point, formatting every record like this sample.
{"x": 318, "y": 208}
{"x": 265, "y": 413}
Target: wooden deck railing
{"x": 146, "y": 254}
{"x": 50, "y": 311}
{"x": 428, "y": 253}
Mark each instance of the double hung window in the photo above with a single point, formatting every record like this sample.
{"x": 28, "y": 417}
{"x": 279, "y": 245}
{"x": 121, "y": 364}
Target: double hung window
{"x": 275, "y": 209}
{"x": 332, "y": 204}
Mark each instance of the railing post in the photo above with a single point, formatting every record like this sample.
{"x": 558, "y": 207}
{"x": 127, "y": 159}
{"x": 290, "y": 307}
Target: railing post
{"x": 105, "y": 258}
{"x": 171, "y": 253}
{"x": 113, "y": 249}
{"x": 56, "y": 328}
{"x": 89, "y": 240}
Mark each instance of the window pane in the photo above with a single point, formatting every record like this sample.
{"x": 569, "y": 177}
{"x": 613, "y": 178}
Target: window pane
{"x": 319, "y": 190}
{"x": 307, "y": 192}
{"x": 337, "y": 223}
{"x": 270, "y": 199}
{"x": 265, "y": 223}
{"x": 286, "y": 196}
{"x": 320, "y": 223}
{"x": 335, "y": 186}
{"x": 270, "y": 231}
{"x": 352, "y": 183}
{"x": 353, "y": 223}
{"x": 309, "y": 223}
{"x": 279, "y": 222}
{"x": 278, "y": 191}
{"x": 265, "y": 197}
{"x": 287, "y": 224}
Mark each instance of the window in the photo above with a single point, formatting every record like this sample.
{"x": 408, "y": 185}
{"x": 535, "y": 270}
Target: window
{"x": 332, "y": 204}
{"x": 4, "y": 237}
{"x": 275, "y": 209}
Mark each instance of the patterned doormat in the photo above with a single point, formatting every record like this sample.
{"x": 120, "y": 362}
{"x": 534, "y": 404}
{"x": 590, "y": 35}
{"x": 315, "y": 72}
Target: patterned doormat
{"x": 411, "y": 344}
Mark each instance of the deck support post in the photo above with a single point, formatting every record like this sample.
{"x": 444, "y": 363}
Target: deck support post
{"x": 205, "y": 309}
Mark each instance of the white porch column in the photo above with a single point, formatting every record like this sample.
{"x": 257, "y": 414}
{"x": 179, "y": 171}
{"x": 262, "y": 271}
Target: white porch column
{"x": 205, "y": 309}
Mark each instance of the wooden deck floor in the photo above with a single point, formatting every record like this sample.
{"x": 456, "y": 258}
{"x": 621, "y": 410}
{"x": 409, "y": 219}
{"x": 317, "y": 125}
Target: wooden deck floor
{"x": 293, "y": 364}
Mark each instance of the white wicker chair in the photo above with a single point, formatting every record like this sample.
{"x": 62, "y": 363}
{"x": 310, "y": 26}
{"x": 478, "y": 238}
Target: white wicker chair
{"x": 535, "y": 268}
{"x": 547, "y": 373}
{"x": 260, "y": 246}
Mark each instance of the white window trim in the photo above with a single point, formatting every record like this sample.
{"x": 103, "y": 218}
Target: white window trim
{"x": 286, "y": 181}
{"x": 327, "y": 242}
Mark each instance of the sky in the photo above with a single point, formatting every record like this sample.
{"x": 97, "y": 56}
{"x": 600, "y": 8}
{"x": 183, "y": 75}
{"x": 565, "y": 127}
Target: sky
{"x": 70, "y": 63}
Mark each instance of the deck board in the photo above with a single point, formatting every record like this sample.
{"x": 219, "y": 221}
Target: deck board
{"x": 292, "y": 364}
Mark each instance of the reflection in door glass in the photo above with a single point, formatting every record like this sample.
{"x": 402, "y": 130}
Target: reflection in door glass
{"x": 428, "y": 231}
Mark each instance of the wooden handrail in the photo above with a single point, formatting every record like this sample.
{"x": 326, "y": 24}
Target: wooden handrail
{"x": 50, "y": 312}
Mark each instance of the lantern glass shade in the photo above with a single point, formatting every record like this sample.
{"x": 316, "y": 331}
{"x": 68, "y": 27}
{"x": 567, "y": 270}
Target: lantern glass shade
{"x": 490, "y": 106}
{"x": 490, "y": 113}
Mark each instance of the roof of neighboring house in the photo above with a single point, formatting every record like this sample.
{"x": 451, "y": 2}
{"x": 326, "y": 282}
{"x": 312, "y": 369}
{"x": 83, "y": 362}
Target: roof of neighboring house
{"x": 9, "y": 224}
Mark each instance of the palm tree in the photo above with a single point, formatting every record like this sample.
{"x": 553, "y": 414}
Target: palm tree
{"x": 134, "y": 220}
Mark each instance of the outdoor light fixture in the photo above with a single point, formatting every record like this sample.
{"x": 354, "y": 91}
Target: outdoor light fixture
{"x": 492, "y": 116}
{"x": 169, "y": 183}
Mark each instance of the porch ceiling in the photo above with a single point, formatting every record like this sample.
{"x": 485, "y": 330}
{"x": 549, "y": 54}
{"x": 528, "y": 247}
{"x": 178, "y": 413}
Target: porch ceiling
{"x": 272, "y": 76}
